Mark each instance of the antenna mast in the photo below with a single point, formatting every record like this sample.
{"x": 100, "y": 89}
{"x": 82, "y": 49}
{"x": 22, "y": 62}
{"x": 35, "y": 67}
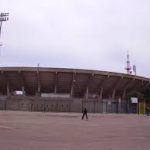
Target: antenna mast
{"x": 128, "y": 67}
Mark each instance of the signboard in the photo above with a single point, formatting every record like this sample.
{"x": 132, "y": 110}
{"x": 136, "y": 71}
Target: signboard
{"x": 134, "y": 100}
{"x": 109, "y": 102}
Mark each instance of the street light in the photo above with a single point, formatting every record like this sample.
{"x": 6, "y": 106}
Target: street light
{"x": 3, "y": 17}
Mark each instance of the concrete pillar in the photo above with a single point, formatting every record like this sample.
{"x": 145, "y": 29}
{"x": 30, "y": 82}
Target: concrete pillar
{"x": 113, "y": 94}
{"x": 39, "y": 90}
{"x": 22, "y": 82}
{"x": 55, "y": 86}
{"x": 8, "y": 89}
{"x": 72, "y": 86}
{"x": 55, "y": 89}
{"x": 38, "y": 82}
{"x": 71, "y": 91}
{"x": 101, "y": 94}
{"x": 87, "y": 93}
{"x": 119, "y": 105}
{"x": 23, "y": 90}
{"x": 124, "y": 95}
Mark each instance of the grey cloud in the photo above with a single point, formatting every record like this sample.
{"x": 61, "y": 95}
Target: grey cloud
{"x": 79, "y": 34}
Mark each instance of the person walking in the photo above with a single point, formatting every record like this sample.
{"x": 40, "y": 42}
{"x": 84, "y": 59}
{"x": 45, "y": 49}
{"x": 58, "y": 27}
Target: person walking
{"x": 84, "y": 114}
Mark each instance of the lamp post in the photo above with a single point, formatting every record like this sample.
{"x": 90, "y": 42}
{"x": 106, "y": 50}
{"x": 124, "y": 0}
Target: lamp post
{"x": 3, "y": 17}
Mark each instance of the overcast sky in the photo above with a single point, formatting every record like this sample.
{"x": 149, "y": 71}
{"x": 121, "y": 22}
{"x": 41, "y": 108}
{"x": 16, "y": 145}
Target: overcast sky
{"x": 86, "y": 34}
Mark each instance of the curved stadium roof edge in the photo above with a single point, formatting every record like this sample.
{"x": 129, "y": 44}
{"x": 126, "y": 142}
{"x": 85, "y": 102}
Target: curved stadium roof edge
{"x": 74, "y": 70}
{"x": 72, "y": 81}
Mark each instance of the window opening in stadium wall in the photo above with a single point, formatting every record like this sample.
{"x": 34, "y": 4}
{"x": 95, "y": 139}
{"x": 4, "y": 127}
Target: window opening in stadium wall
{"x": 18, "y": 92}
{"x": 55, "y": 95}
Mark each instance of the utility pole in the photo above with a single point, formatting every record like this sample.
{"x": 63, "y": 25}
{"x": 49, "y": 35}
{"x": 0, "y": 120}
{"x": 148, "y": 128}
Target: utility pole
{"x": 128, "y": 67}
{"x": 3, "y": 17}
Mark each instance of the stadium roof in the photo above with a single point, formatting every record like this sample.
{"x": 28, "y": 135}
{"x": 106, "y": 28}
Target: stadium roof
{"x": 76, "y": 82}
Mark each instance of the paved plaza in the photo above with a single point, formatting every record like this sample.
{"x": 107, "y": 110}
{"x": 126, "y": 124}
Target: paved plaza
{"x": 66, "y": 131}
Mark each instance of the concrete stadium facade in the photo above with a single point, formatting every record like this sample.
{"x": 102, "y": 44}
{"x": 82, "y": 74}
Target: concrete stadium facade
{"x": 67, "y": 90}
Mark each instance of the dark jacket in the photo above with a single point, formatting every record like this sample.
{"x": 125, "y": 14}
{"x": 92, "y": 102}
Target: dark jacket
{"x": 85, "y": 111}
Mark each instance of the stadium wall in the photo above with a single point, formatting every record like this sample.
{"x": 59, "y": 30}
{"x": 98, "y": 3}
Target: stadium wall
{"x": 30, "y": 103}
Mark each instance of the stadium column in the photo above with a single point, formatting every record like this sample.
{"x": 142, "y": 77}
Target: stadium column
{"x": 8, "y": 86}
{"x": 22, "y": 82}
{"x": 146, "y": 85}
{"x": 72, "y": 85}
{"x": 23, "y": 91}
{"x": 38, "y": 82}
{"x": 56, "y": 80}
{"x": 71, "y": 91}
{"x": 101, "y": 94}
{"x": 101, "y": 85}
{"x": 113, "y": 94}
{"x": 124, "y": 99}
{"x": 88, "y": 84}
{"x": 39, "y": 90}
{"x": 124, "y": 94}
{"x": 119, "y": 105}
{"x": 8, "y": 89}
{"x": 87, "y": 93}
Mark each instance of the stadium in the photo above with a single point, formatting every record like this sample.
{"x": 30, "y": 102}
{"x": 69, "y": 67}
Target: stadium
{"x": 70, "y": 90}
